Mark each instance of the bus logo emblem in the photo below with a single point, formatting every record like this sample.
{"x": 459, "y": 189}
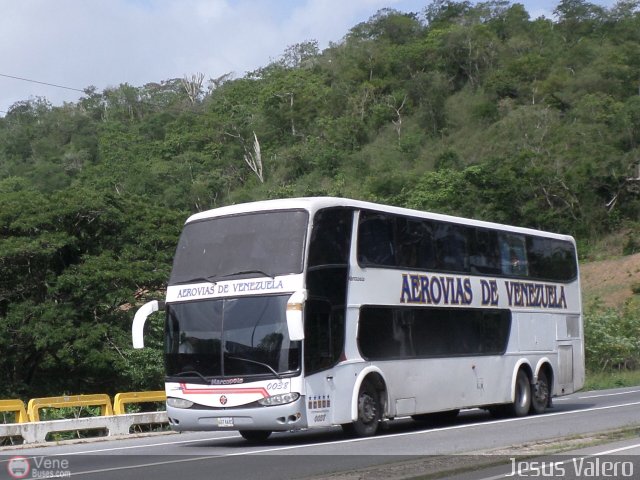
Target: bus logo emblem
{"x": 223, "y": 400}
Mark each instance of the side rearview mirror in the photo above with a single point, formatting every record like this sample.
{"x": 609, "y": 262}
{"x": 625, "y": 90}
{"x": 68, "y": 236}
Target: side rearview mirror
{"x": 140, "y": 318}
{"x": 295, "y": 323}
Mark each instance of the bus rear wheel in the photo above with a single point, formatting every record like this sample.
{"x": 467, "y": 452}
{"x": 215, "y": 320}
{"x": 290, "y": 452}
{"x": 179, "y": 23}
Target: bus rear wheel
{"x": 369, "y": 413}
{"x": 255, "y": 436}
{"x": 541, "y": 392}
{"x": 522, "y": 401}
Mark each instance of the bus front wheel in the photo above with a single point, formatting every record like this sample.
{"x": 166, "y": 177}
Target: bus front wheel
{"x": 369, "y": 413}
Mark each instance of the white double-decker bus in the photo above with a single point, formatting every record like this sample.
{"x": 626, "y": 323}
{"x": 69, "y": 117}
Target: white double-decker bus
{"x": 304, "y": 313}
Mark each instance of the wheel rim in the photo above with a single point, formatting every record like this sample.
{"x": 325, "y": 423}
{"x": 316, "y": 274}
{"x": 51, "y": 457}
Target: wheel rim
{"x": 367, "y": 408}
{"x": 542, "y": 391}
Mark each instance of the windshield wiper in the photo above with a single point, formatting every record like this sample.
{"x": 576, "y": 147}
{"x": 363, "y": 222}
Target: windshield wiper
{"x": 190, "y": 372}
{"x": 265, "y": 365}
{"x": 208, "y": 279}
{"x": 243, "y": 272}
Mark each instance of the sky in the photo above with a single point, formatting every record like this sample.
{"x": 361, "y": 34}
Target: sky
{"x": 103, "y": 43}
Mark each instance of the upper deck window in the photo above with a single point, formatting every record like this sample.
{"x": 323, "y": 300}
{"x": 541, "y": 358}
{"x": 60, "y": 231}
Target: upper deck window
{"x": 397, "y": 241}
{"x": 259, "y": 243}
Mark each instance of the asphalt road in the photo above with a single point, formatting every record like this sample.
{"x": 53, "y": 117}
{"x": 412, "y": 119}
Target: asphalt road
{"x": 214, "y": 455}
{"x": 618, "y": 460}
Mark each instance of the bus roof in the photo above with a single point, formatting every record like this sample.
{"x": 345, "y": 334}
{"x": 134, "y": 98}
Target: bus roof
{"x": 312, "y": 204}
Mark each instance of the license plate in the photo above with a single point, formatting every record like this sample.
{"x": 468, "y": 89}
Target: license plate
{"x": 225, "y": 422}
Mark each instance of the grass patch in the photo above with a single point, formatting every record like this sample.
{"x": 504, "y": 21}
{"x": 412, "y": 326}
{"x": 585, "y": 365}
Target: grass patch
{"x": 475, "y": 464}
{"x": 604, "y": 380}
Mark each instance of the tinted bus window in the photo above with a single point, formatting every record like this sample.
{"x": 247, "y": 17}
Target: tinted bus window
{"x": 386, "y": 240}
{"x": 415, "y": 247}
{"x": 391, "y": 333}
{"x": 484, "y": 258}
{"x": 513, "y": 255}
{"x": 330, "y": 238}
{"x": 451, "y": 247}
{"x": 376, "y": 240}
{"x": 327, "y": 273}
{"x": 551, "y": 259}
{"x": 395, "y": 241}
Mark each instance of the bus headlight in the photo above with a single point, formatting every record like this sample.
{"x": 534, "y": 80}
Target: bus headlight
{"x": 179, "y": 402}
{"x": 279, "y": 399}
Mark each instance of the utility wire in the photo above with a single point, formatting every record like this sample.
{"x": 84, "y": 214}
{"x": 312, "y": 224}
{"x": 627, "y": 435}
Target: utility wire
{"x": 41, "y": 83}
{"x": 75, "y": 90}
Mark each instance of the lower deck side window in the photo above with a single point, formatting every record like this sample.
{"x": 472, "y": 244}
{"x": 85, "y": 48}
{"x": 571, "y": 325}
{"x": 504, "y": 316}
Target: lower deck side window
{"x": 404, "y": 332}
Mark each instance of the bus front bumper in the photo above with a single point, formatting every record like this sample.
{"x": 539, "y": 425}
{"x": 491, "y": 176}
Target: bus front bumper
{"x": 291, "y": 416}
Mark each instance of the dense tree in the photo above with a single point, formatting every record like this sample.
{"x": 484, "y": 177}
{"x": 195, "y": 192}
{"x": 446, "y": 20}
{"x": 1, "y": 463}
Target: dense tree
{"x": 463, "y": 108}
{"x": 72, "y": 266}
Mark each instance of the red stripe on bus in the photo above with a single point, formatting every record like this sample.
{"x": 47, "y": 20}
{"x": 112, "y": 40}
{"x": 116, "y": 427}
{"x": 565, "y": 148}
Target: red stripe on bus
{"x": 259, "y": 390}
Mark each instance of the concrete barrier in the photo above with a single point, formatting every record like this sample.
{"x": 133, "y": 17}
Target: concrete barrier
{"x": 29, "y": 427}
{"x": 36, "y": 432}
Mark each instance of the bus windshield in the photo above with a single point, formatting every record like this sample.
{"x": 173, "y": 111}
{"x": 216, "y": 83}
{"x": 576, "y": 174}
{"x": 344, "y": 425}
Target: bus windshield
{"x": 233, "y": 337}
{"x": 260, "y": 243}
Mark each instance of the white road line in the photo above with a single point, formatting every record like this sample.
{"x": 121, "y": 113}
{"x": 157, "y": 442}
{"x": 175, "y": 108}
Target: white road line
{"x": 212, "y": 439}
{"x": 143, "y": 465}
{"x": 536, "y": 468}
{"x": 609, "y": 394}
{"x": 586, "y": 397}
{"x": 366, "y": 439}
{"x": 128, "y": 447}
{"x": 334, "y": 442}
{"x": 268, "y": 450}
{"x": 617, "y": 450}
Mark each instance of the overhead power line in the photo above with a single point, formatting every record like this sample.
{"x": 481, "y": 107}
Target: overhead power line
{"x": 41, "y": 83}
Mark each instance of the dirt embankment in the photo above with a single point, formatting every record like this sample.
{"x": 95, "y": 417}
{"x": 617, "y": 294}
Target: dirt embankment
{"x": 610, "y": 280}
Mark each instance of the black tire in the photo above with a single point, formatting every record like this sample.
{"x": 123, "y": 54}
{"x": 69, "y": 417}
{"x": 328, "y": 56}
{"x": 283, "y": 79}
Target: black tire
{"x": 540, "y": 394}
{"x": 369, "y": 413}
{"x": 522, "y": 401}
{"x": 255, "y": 436}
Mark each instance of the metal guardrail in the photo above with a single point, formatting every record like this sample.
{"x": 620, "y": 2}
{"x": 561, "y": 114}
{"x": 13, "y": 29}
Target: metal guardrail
{"x": 29, "y": 427}
{"x": 97, "y": 400}
{"x": 15, "y": 406}
{"x": 121, "y": 399}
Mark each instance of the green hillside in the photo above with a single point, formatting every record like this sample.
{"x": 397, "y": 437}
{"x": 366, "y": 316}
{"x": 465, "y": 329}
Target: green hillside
{"x": 479, "y": 111}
